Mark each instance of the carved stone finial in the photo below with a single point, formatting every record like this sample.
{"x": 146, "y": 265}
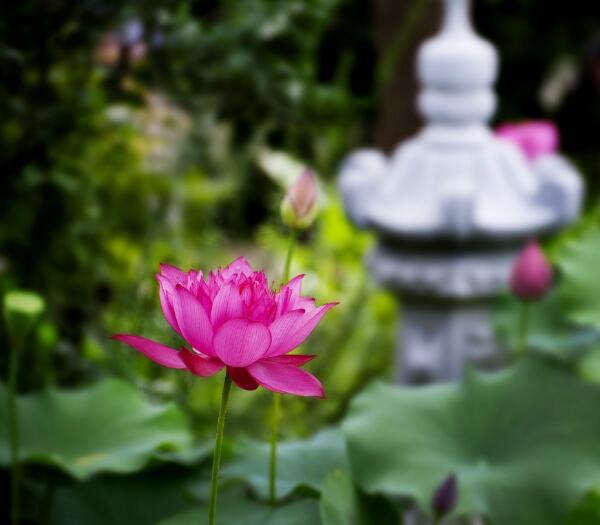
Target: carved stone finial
{"x": 457, "y": 69}
{"x": 457, "y": 17}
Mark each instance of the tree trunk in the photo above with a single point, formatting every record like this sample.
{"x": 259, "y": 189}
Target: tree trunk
{"x": 400, "y": 28}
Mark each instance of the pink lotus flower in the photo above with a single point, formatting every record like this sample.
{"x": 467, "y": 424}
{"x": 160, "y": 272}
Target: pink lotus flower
{"x": 232, "y": 319}
{"x": 531, "y": 275}
{"x": 534, "y": 137}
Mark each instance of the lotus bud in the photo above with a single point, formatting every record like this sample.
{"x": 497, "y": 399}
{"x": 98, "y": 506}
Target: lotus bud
{"x": 299, "y": 206}
{"x": 22, "y": 308}
{"x": 445, "y": 496}
{"x": 531, "y": 275}
{"x": 534, "y": 138}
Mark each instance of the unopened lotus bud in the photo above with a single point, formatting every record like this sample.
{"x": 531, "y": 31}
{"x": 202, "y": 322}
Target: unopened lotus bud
{"x": 22, "y": 308}
{"x": 531, "y": 275}
{"x": 445, "y": 496}
{"x": 299, "y": 206}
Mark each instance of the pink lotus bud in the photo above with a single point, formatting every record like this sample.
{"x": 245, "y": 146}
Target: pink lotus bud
{"x": 531, "y": 275}
{"x": 445, "y": 496}
{"x": 299, "y": 207}
{"x": 534, "y": 138}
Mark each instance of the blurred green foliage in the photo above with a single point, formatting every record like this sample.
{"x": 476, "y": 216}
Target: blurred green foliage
{"x": 564, "y": 324}
{"x": 587, "y": 511}
{"x": 131, "y": 134}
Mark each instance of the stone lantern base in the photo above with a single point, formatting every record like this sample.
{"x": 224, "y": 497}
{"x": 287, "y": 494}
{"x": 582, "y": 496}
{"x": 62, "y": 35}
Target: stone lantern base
{"x": 446, "y": 300}
{"x": 436, "y": 342}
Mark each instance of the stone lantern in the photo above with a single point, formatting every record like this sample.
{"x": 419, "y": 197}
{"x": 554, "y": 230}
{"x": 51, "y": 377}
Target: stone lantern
{"x": 452, "y": 206}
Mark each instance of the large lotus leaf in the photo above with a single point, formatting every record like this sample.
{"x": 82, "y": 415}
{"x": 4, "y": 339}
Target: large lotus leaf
{"x": 108, "y": 427}
{"x": 339, "y": 505}
{"x": 236, "y": 508}
{"x": 342, "y": 504}
{"x": 140, "y": 499}
{"x": 300, "y": 464}
{"x": 549, "y": 330}
{"x": 524, "y": 443}
{"x": 579, "y": 262}
{"x": 187, "y": 455}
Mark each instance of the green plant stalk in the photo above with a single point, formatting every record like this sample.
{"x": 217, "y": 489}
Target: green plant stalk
{"x": 273, "y": 452}
{"x": 216, "y": 465}
{"x": 523, "y": 329}
{"x": 288, "y": 258}
{"x": 276, "y": 403}
{"x": 13, "y": 429}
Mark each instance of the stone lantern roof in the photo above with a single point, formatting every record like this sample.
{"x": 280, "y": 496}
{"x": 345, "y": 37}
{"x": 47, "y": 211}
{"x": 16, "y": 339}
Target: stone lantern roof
{"x": 452, "y": 206}
{"x": 456, "y": 180}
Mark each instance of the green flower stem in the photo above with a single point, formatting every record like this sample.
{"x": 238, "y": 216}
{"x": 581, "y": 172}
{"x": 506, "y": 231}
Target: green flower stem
{"x": 276, "y": 403}
{"x": 13, "y": 429}
{"x": 289, "y": 256}
{"x": 216, "y": 466}
{"x": 523, "y": 329}
{"x": 273, "y": 456}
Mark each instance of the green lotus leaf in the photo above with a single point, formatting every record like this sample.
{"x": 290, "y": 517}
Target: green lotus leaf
{"x": 236, "y": 508}
{"x": 300, "y": 464}
{"x": 550, "y": 330}
{"x": 138, "y": 499}
{"x": 579, "y": 261}
{"x": 342, "y": 504}
{"x": 108, "y": 427}
{"x": 523, "y": 443}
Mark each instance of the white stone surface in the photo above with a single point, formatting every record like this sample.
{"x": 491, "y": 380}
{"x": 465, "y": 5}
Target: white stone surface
{"x": 435, "y": 343}
{"x": 460, "y": 276}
